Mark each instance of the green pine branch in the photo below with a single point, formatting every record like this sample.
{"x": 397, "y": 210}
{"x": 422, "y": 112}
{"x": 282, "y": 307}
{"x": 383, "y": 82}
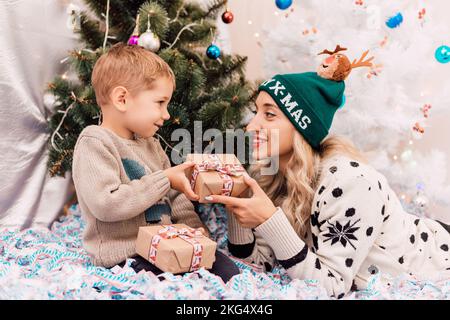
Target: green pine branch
{"x": 89, "y": 32}
{"x": 214, "y": 7}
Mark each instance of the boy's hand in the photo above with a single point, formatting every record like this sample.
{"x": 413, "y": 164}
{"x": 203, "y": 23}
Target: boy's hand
{"x": 179, "y": 181}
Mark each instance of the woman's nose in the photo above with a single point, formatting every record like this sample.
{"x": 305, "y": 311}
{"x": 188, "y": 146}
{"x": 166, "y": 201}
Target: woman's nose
{"x": 253, "y": 125}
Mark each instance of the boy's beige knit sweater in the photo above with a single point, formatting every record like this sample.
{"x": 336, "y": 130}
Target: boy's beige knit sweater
{"x": 120, "y": 184}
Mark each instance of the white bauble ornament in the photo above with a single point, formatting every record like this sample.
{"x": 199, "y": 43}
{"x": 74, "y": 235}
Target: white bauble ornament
{"x": 149, "y": 41}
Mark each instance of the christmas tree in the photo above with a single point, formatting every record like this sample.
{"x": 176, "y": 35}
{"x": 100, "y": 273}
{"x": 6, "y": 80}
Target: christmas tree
{"x": 388, "y": 106}
{"x": 210, "y": 87}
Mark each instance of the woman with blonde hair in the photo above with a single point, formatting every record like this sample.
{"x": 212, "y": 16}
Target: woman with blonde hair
{"x": 326, "y": 214}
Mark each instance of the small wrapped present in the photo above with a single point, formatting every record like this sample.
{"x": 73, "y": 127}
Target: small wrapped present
{"x": 216, "y": 174}
{"x": 175, "y": 248}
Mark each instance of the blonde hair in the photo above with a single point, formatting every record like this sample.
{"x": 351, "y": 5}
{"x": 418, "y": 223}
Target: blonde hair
{"x": 294, "y": 189}
{"x": 132, "y": 67}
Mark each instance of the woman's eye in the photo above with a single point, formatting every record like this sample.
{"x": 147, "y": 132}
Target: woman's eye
{"x": 269, "y": 114}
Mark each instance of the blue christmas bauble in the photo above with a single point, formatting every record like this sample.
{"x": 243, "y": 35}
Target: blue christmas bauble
{"x": 213, "y": 52}
{"x": 283, "y": 4}
{"x": 442, "y": 54}
{"x": 395, "y": 21}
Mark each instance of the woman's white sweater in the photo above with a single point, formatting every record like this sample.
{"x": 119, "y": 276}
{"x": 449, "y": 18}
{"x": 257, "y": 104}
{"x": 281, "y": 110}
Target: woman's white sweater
{"x": 358, "y": 228}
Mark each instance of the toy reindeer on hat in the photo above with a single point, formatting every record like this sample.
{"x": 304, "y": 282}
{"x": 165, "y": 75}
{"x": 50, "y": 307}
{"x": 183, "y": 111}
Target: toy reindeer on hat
{"x": 337, "y": 66}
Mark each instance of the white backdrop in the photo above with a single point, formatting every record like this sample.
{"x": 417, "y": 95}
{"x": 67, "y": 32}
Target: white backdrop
{"x": 34, "y": 37}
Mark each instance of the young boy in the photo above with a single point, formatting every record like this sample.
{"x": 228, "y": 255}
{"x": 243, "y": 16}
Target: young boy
{"x": 122, "y": 176}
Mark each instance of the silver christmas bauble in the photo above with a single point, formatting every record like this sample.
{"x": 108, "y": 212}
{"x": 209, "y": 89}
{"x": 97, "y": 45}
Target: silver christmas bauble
{"x": 149, "y": 41}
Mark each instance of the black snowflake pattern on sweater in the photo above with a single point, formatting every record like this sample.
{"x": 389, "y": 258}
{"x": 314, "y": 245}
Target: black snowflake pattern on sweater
{"x": 343, "y": 234}
{"x": 315, "y": 220}
{"x": 348, "y": 212}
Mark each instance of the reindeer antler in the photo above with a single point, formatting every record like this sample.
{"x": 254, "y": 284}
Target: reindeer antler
{"x": 362, "y": 63}
{"x": 336, "y": 50}
{"x": 325, "y": 52}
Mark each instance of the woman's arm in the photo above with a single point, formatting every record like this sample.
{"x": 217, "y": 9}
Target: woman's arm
{"x": 350, "y": 214}
{"x": 244, "y": 244}
{"x": 350, "y": 218}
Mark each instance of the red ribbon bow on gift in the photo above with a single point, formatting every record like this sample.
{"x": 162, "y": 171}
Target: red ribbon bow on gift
{"x": 188, "y": 234}
{"x": 224, "y": 170}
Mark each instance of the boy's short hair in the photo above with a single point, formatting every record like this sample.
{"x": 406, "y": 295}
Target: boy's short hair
{"x": 132, "y": 67}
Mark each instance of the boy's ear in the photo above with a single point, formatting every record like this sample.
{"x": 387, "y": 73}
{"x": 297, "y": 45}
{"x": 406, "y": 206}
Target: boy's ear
{"x": 119, "y": 97}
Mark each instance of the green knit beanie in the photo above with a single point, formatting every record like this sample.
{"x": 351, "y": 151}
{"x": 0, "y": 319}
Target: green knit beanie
{"x": 308, "y": 100}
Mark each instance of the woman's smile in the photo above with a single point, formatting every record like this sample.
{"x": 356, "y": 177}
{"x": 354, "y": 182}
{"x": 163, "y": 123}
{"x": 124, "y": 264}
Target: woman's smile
{"x": 259, "y": 140}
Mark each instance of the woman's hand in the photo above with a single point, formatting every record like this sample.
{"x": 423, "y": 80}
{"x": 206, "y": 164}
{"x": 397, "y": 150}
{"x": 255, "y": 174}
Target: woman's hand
{"x": 179, "y": 181}
{"x": 250, "y": 212}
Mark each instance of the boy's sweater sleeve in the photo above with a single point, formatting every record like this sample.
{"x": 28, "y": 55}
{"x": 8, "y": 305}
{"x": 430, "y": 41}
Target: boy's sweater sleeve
{"x": 349, "y": 218}
{"x": 182, "y": 208}
{"x": 95, "y": 172}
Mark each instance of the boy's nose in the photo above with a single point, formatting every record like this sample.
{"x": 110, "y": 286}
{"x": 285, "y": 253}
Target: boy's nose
{"x": 166, "y": 116}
